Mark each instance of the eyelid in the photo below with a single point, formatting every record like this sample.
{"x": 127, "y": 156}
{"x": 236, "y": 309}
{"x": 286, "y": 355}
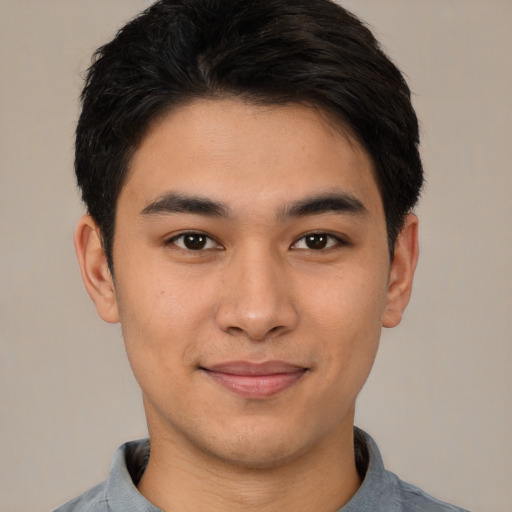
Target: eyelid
{"x": 171, "y": 240}
{"x": 338, "y": 239}
{"x": 212, "y": 243}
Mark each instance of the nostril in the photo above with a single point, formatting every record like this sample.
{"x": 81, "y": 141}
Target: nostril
{"x": 235, "y": 331}
{"x": 256, "y": 316}
{"x": 254, "y": 334}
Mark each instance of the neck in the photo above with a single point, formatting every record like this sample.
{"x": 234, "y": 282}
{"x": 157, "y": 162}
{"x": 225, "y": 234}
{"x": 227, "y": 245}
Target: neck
{"x": 181, "y": 478}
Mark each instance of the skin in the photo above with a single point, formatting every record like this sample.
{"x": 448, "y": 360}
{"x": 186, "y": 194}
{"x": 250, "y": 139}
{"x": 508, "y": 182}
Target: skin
{"x": 256, "y": 292}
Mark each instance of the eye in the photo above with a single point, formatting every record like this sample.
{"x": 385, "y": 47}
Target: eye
{"x": 317, "y": 242}
{"x": 193, "y": 242}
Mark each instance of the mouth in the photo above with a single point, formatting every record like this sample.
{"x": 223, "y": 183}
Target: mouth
{"x": 255, "y": 380}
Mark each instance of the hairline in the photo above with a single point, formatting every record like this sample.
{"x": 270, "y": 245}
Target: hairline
{"x": 330, "y": 119}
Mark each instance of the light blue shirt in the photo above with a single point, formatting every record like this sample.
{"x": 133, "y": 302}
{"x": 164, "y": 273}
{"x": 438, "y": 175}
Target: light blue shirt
{"x": 381, "y": 490}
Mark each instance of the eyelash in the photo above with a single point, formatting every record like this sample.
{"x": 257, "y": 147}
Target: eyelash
{"x": 182, "y": 236}
{"x": 332, "y": 241}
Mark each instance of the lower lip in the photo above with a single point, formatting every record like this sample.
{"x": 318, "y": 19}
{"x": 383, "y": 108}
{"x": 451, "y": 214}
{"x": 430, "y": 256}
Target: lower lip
{"x": 256, "y": 386}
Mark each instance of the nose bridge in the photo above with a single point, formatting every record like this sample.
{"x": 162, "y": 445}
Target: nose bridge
{"x": 257, "y": 301}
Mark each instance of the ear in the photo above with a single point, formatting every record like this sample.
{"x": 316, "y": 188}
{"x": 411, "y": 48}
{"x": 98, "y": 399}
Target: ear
{"x": 96, "y": 275}
{"x": 402, "y": 272}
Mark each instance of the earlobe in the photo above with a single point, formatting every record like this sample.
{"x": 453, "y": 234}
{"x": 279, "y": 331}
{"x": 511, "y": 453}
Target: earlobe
{"x": 96, "y": 275}
{"x": 402, "y": 272}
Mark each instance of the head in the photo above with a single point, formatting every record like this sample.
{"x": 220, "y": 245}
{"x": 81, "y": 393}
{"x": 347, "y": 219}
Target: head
{"x": 310, "y": 52}
{"x": 249, "y": 169}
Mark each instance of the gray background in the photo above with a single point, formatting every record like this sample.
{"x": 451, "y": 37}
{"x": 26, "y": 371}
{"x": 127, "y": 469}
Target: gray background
{"x": 439, "y": 399}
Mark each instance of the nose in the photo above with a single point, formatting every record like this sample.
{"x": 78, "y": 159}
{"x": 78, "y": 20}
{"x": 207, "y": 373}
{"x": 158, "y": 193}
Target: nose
{"x": 257, "y": 299}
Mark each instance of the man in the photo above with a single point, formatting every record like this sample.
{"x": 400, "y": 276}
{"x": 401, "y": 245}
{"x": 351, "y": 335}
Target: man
{"x": 249, "y": 170}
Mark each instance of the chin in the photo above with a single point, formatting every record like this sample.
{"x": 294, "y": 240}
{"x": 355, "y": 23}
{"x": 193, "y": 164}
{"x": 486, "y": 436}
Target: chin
{"x": 252, "y": 448}
{"x": 257, "y": 458}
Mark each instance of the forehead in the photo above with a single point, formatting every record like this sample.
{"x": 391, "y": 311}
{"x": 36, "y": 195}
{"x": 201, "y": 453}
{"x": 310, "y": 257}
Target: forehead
{"x": 240, "y": 152}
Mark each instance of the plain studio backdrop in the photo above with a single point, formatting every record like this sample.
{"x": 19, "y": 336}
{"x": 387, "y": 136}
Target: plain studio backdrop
{"x": 439, "y": 399}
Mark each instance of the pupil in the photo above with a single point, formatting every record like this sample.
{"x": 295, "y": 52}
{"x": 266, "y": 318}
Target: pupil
{"x": 194, "y": 242}
{"x": 316, "y": 241}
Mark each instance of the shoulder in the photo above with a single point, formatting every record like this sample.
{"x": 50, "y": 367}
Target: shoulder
{"x": 119, "y": 491}
{"x": 93, "y": 500}
{"x": 414, "y": 499}
{"x": 383, "y": 490}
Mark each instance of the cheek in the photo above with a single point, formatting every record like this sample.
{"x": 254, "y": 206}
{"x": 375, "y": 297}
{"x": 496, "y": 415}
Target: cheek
{"x": 346, "y": 317}
{"x": 350, "y": 301}
{"x": 161, "y": 316}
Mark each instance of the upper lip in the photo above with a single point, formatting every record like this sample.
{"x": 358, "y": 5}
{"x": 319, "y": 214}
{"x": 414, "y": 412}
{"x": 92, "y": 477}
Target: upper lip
{"x": 251, "y": 368}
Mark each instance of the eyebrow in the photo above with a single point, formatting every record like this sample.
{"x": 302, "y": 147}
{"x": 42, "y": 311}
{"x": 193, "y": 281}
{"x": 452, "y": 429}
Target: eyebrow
{"x": 341, "y": 202}
{"x": 173, "y": 202}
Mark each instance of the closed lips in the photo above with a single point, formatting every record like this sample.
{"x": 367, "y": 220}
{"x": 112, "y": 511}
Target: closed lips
{"x": 255, "y": 380}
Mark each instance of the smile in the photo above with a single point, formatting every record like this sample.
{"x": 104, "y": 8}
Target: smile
{"x": 255, "y": 381}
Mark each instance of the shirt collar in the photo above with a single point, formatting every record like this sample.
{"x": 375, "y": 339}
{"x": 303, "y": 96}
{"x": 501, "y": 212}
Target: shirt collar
{"x": 129, "y": 462}
{"x": 127, "y": 467}
{"x": 378, "y": 490}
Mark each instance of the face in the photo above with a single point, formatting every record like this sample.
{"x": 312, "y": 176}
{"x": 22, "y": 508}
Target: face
{"x": 252, "y": 278}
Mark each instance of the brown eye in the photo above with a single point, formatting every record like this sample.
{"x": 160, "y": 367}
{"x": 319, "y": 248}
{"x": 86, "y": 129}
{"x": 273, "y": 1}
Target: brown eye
{"x": 316, "y": 241}
{"x": 194, "y": 241}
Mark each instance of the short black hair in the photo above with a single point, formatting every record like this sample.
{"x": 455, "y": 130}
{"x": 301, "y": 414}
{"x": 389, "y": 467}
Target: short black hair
{"x": 265, "y": 51}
